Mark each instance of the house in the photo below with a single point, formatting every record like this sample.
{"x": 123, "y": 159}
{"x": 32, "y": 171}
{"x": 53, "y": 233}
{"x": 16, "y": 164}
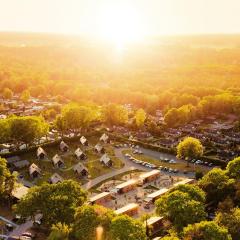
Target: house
{"x": 99, "y": 148}
{"x": 63, "y": 146}
{"x": 57, "y": 161}
{"x": 55, "y": 178}
{"x": 130, "y": 209}
{"x": 80, "y": 154}
{"x": 127, "y": 186}
{"x": 104, "y": 138}
{"x": 11, "y": 160}
{"x": 34, "y": 171}
{"x": 41, "y": 154}
{"x": 21, "y": 164}
{"x": 184, "y": 181}
{"x": 80, "y": 170}
{"x": 149, "y": 176}
{"x": 101, "y": 198}
{"x": 106, "y": 160}
{"x": 84, "y": 141}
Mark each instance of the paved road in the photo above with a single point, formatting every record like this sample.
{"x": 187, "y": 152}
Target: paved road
{"x": 18, "y": 231}
{"x": 8, "y": 221}
{"x": 128, "y": 166}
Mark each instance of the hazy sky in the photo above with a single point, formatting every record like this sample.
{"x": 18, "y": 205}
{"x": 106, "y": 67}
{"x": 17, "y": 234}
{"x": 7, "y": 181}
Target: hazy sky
{"x": 153, "y": 16}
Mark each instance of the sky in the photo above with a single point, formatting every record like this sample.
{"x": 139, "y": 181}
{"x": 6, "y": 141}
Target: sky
{"x": 132, "y": 17}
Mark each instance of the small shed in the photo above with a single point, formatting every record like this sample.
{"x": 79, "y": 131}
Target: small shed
{"x": 105, "y": 138}
{"x": 80, "y": 170}
{"x": 84, "y": 141}
{"x": 34, "y": 171}
{"x": 80, "y": 154}
{"x": 21, "y": 164}
{"x": 57, "y": 161}
{"x": 99, "y": 148}
{"x": 41, "y": 154}
{"x": 63, "y": 146}
{"x": 55, "y": 178}
{"x": 105, "y": 159}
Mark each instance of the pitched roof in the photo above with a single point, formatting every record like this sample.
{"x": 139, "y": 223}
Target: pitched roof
{"x": 105, "y": 159}
{"x": 79, "y": 168}
{"x": 40, "y": 151}
{"x": 63, "y": 144}
{"x": 98, "y": 147}
{"x": 104, "y": 137}
{"x": 79, "y": 152}
{"x": 83, "y": 140}
{"x": 56, "y": 159}
{"x": 34, "y": 168}
{"x": 56, "y": 178}
{"x": 20, "y": 192}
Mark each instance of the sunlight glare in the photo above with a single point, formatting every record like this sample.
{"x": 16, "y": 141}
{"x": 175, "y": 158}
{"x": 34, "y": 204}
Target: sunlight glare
{"x": 120, "y": 25}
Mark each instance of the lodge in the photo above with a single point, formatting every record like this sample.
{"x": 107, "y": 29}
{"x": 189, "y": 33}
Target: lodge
{"x": 126, "y": 186}
{"x": 80, "y": 170}
{"x": 101, "y": 198}
{"x": 41, "y": 154}
{"x": 152, "y": 197}
{"x": 57, "y": 161}
{"x": 149, "y": 176}
{"x": 131, "y": 209}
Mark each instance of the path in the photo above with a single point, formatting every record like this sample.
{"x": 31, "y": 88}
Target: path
{"x": 8, "y": 221}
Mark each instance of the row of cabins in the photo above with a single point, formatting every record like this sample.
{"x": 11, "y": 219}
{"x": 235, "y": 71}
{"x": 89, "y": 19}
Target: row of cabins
{"x": 132, "y": 209}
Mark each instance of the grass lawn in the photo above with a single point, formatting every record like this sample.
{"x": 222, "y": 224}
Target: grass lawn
{"x": 93, "y": 164}
{"x": 180, "y": 166}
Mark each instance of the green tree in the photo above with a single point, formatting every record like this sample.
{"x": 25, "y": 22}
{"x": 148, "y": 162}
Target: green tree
{"x": 7, "y": 93}
{"x": 60, "y": 124}
{"x": 189, "y": 148}
{"x": 217, "y": 185}
{"x": 88, "y": 219}
{"x": 5, "y": 130}
{"x": 233, "y": 168}
{"x": 193, "y": 191}
{"x": 7, "y": 180}
{"x": 231, "y": 221}
{"x": 126, "y": 228}
{"x": 27, "y": 129}
{"x": 25, "y": 96}
{"x": 59, "y": 231}
{"x": 78, "y": 117}
{"x": 57, "y": 202}
{"x": 205, "y": 231}
{"x": 180, "y": 209}
{"x": 170, "y": 117}
{"x": 140, "y": 117}
{"x": 114, "y": 114}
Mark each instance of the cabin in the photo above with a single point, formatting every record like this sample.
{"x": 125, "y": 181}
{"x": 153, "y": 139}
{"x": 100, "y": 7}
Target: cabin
{"x": 101, "y": 198}
{"x": 84, "y": 141}
{"x": 130, "y": 209}
{"x": 34, "y": 171}
{"x": 99, "y": 148}
{"x": 105, "y": 160}
{"x": 149, "y": 176}
{"x": 41, "y": 154}
{"x": 19, "y": 192}
{"x": 81, "y": 170}
{"x": 104, "y": 138}
{"x": 55, "y": 178}
{"x": 152, "y": 197}
{"x": 63, "y": 146}
{"x": 80, "y": 155}
{"x": 154, "y": 224}
{"x": 57, "y": 161}
{"x": 185, "y": 181}
{"x": 126, "y": 186}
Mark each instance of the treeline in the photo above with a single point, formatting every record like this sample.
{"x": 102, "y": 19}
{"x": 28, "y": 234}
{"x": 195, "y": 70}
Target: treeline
{"x": 220, "y": 105}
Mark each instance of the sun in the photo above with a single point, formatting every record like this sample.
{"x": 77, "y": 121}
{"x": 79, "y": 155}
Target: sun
{"x": 120, "y": 25}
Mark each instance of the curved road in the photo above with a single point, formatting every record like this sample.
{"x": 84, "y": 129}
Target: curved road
{"x": 129, "y": 165}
